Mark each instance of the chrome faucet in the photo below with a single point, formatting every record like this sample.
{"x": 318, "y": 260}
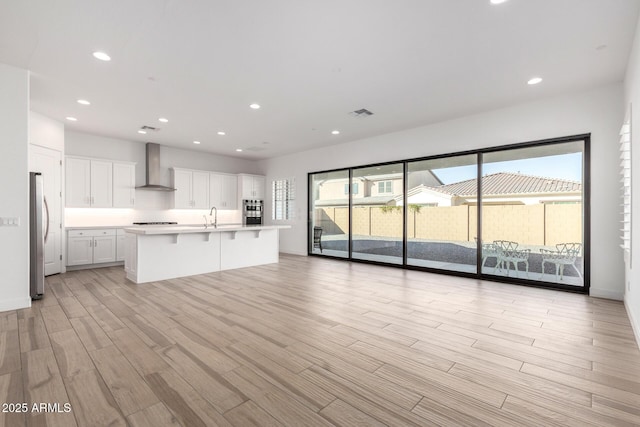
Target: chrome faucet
{"x": 206, "y": 225}
{"x": 215, "y": 218}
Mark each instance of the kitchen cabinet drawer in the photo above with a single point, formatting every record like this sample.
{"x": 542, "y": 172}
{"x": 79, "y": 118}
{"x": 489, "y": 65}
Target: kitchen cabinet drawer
{"x": 92, "y": 232}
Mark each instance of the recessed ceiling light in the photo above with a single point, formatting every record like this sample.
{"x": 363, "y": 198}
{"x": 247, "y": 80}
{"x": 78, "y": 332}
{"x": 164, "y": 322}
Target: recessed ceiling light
{"x": 83, "y": 102}
{"x": 72, "y": 119}
{"x": 497, "y": 1}
{"x": 196, "y": 142}
{"x": 335, "y": 132}
{"x": 163, "y": 120}
{"x": 222, "y": 133}
{"x": 238, "y": 149}
{"x": 144, "y": 132}
{"x": 101, "y": 56}
{"x": 255, "y": 106}
{"x": 534, "y": 81}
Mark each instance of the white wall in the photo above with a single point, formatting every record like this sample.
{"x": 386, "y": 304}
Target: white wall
{"x": 14, "y": 176}
{"x": 632, "y": 96}
{"x": 150, "y": 205}
{"x": 597, "y": 111}
{"x": 46, "y": 132}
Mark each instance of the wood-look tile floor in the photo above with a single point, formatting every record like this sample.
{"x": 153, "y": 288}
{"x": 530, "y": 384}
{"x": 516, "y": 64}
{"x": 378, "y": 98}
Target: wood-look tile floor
{"x": 312, "y": 341}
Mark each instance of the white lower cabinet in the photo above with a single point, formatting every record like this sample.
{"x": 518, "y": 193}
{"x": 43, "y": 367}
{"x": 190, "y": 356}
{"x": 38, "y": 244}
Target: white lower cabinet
{"x": 91, "y": 246}
{"x": 120, "y": 245}
{"x": 79, "y": 249}
{"x": 131, "y": 257}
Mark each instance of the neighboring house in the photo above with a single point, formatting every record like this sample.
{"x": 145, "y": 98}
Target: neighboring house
{"x": 370, "y": 190}
{"x": 502, "y": 188}
{"x": 425, "y": 189}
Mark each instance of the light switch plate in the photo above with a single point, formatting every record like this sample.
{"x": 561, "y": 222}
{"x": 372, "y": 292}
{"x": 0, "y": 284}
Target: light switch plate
{"x": 9, "y": 222}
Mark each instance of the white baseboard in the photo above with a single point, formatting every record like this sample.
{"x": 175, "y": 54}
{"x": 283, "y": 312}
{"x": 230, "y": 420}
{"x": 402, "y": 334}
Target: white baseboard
{"x": 605, "y": 293}
{"x": 15, "y": 304}
{"x": 91, "y": 266}
{"x": 301, "y": 253}
{"x": 635, "y": 324}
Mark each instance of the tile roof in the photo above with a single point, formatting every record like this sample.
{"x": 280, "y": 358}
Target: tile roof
{"x": 511, "y": 183}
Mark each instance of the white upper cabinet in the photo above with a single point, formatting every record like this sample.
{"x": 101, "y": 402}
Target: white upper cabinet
{"x": 251, "y": 186}
{"x": 223, "y": 191}
{"x": 200, "y": 191}
{"x": 192, "y": 189}
{"x": 78, "y": 182}
{"x": 124, "y": 185}
{"x": 182, "y": 182}
{"x": 88, "y": 183}
{"x": 101, "y": 184}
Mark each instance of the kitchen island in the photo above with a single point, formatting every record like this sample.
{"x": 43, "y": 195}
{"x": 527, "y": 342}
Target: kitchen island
{"x": 166, "y": 252}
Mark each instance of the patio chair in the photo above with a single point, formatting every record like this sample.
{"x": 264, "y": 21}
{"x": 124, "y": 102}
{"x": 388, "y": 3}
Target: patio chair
{"x": 566, "y": 254}
{"x": 508, "y": 253}
{"x": 489, "y": 250}
{"x": 317, "y": 238}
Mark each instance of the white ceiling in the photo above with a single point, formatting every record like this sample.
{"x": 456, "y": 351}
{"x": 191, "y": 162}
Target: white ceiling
{"x": 200, "y": 63}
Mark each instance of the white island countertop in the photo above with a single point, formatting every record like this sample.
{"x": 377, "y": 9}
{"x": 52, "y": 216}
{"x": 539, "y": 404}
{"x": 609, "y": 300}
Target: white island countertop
{"x": 160, "y": 252}
{"x": 186, "y": 229}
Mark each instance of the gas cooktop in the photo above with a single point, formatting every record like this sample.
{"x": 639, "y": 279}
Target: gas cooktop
{"x": 156, "y": 223}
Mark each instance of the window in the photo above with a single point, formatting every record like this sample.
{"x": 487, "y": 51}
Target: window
{"x": 354, "y": 188}
{"x": 625, "y": 179}
{"x": 385, "y": 187}
{"x": 518, "y": 214}
{"x": 283, "y": 195}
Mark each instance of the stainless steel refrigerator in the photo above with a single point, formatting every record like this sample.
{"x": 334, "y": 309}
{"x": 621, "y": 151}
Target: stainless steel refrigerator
{"x": 38, "y": 233}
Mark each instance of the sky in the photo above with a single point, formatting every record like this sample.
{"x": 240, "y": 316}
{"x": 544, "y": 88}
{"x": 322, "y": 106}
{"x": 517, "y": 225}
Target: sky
{"x": 565, "y": 166}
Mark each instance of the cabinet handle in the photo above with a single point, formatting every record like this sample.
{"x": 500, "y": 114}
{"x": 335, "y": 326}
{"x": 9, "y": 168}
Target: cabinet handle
{"x": 95, "y": 243}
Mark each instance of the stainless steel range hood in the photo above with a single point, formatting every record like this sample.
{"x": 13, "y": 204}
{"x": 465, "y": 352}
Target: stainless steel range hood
{"x": 153, "y": 170}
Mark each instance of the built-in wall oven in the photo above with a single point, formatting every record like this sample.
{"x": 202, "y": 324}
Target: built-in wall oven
{"x": 252, "y": 212}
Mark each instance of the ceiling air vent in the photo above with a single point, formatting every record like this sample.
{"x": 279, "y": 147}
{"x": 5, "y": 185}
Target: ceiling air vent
{"x": 363, "y": 112}
{"x": 151, "y": 128}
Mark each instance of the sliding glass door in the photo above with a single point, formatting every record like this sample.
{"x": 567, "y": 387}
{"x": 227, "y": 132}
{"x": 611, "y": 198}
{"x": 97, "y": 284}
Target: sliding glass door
{"x": 329, "y": 204}
{"x": 377, "y": 213}
{"x": 522, "y": 222}
{"x": 532, "y": 213}
{"x": 441, "y": 222}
